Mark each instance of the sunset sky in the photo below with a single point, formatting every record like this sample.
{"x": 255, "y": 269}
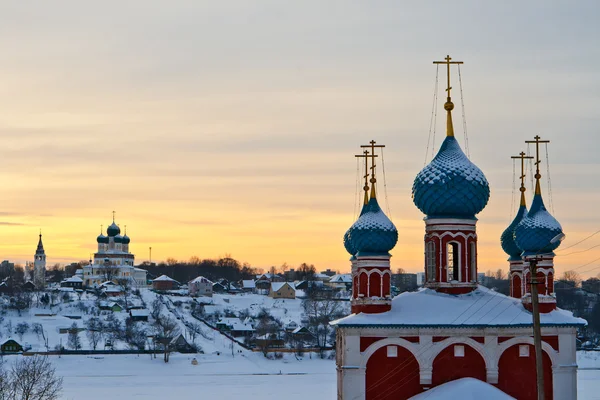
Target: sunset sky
{"x": 230, "y": 127}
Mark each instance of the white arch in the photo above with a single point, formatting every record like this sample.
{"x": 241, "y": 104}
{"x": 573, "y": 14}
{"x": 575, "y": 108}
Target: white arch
{"x": 439, "y": 346}
{"x": 369, "y": 351}
{"x": 524, "y": 340}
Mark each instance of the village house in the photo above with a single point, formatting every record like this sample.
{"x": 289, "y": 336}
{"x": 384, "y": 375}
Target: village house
{"x": 164, "y": 282}
{"x": 74, "y": 282}
{"x": 200, "y": 286}
{"x": 282, "y": 290}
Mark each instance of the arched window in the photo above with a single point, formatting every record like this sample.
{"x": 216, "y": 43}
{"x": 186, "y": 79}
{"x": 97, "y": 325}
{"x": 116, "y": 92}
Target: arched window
{"x": 430, "y": 261}
{"x": 473, "y": 262}
{"x": 452, "y": 256}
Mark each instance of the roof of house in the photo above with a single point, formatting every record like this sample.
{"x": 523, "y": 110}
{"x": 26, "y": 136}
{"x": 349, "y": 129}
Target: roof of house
{"x": 341, "y": 278}
{"x": 139, "y": 313}
{"x": 164, "y": 278}
{"x": 201, "y": 279}
{"x": 241, "y": 327}
{"x": 464, "y": 389}
{"x": 248, "y": 284}
{"x": 275, "y": 286}
{"x": 74, "y": 279}
{"x": 479, "y": 308}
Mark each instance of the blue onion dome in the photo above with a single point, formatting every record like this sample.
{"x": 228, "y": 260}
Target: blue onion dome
{"x": 102, "y": 239}
{"x": 350, "y": 248}
{"x": 118, "y": 239}
{"x": 126, "y": 239}
{"x": 451, "y": 186}
{"x": 373, "y": 232}
{"x": 535, "y": 232}
{"x": 507, "y": 239}
{"x": 113, "y": 230}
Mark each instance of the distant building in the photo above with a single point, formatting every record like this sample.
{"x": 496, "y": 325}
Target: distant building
{"x": 340, "y": 281}
{"x": 420, "y": 278}
{"x": 75, "y": 282}
{"x": 328, "y": 272}
{"x": 164, "y": 282}
{"x": 282, "y": 290}
{"x": 405, "y": 282}
{"x": 39, "y": 266}
{"x": 113, "y": 261}
{"x": 200, "y": 286}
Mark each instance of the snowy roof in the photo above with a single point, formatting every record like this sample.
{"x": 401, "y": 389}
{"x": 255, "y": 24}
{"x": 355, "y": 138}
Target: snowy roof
{"x": 200, "y": 279}
{"x": 275, "y": 286}
{"x": 341, "y": 278}
{"x": 139, "y": 313}
{"x": 74, "y": 279}
{"x": 241, "y": 327}
{"x": 464, "y": 389}
{"x": 482, "y": 307}
{"x": 164, "y": 278}
{"x": 248, "y": 284}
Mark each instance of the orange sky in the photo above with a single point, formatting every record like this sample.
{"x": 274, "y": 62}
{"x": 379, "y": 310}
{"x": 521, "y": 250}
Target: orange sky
{"x": 218, "y": 129}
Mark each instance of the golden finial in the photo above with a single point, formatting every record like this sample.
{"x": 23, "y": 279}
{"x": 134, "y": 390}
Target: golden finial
{"x": 448, "y": 106}
{"x": 113, "y": 215}
{"x": 537, "y": 142}
{"x": 366, "y": 156}
{"x": 372, "y": 145}
{"x": 522, "y": 189}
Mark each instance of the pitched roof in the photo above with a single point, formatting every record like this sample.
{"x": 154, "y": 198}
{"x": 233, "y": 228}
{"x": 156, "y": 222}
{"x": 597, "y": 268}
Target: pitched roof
{"x": 164, "y": 278}
{"x": 275, "y": 286}
{"x": 481, "y": 307}
{"x": 248, "y": 284}
{"x": 201, "y": 279}
{"x": 341, "y": 278}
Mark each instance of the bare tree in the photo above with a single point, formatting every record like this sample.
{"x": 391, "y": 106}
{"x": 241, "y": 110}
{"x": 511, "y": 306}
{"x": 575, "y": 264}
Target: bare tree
{"x": 38, "y": 329}
{"x": 94, "y": 331}
{"x": 166, "y": 329}
{"x": 320, "y": 313}
{"x": 21, "y": 329}
{"x": 572, "y": 276}
{"x": 125, "y": 284}
{"x": 74, "y": 342}
{"x": 33, "y": 378}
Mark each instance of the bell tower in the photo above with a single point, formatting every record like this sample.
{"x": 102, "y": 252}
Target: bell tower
{"x": 39, "y": 266}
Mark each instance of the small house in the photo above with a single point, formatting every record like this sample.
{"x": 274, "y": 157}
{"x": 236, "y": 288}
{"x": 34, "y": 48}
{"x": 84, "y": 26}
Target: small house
{"x": 11, "y": 346}
{"x": 200, "y": 286}
{"x": 139, "y": 315}
{"x": 110, "y": 306}
{"x": 282, "y": 290}
{"x": 219, "y": 288}
{"x": 248, "y": 286}
{"x": 181, "y": 345}
{"x": 74, "y": 282}
{"x": 270, "y": 340}
{"x": 28, "y": 286}
{"x": 164, "y": 282}
{"x": 340, "y": 281}
{"x": 240, "y": 329}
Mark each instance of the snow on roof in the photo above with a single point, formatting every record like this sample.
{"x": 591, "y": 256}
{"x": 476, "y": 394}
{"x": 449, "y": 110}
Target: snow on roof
{"x": 248, "y": 284}
{"x": 164, "y": 278}
{"x": 464, "y": 389}
{"x": 74, "y": 279}
{"x": 275, "y": 286}
{"x": 341, "y": 278}
{"x": 139, "y": 270}
{"x": 241, "y": 327}
{"x": 482, "y": 307}
{"x": 200, "y": 279}
{"x": 139, "y": 313}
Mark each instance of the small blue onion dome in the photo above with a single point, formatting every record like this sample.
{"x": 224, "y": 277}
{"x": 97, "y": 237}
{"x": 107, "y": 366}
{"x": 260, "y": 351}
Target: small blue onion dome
{"x": 118, "y": 239}
{"x": 373, "y": 232}
{"x": 451, "y": 186}
{"x": 126, "y": 239}
{"x": 102, "y": 239}
{"x": 350, "y": 248}
{"x": 507, "y": 239}
{"x": 535, "y": 232}
{"x": 113, "y": 230}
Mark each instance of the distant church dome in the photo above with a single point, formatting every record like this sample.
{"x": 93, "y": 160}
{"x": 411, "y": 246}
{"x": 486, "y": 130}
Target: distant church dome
{"x": 451, "y": 186}
{"x": 126, "y": 239}
{"x": 373, "y": 232}
{"x": 535, "y": 232}
{"x": 113, "y": 230}
{"x": 102, "y": 239}
{"x": 118, "y": 239}
{"x": 507, "y": 239}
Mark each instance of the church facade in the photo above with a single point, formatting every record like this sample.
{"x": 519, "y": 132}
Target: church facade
{"x": 113, "y": 261}
{"x": 452, "y": 328}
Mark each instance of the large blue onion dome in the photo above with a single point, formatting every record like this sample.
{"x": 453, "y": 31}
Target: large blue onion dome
{"x": 507, "y": 239}
{"x": 451, "y": 186}
{"x": 535, "y": 232}
{"x": 373, "y": 232}
{"x": 102, "y": 239}
{"x": 348, "y": 244}
{"x": 118, "y": 239}
{"x": 126, "y": 239}
{"x": 113, "y": 230}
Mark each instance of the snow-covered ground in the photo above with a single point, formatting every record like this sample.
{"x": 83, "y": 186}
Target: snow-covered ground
{"x": 249, "y": 376}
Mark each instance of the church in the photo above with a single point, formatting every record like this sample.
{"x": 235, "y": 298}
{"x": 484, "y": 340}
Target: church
{"x": 113, "y": 261}
{"x": 453, "y": 328}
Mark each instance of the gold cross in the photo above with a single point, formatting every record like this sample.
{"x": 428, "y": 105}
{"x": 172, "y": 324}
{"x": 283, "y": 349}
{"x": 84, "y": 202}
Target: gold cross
{"x": 537, "y": 142}
{"x": 372, "y": 145}
{"x": 113, "y": 215}
{"x": 366, "y": 156}
{"x": 448, "y": 62}
{"x": 522, "y": 189}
